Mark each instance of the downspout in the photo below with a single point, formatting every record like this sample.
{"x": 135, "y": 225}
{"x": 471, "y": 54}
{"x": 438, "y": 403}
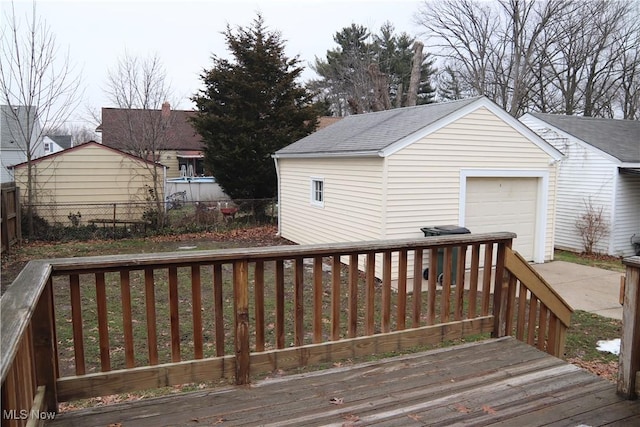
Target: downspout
{"x": 275, "y": 160}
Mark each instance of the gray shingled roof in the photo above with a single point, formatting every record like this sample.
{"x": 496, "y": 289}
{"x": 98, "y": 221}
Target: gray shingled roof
{"x": 618, "y": 138}
{"x": 372, "y": 132}
{"x": 64, "y": 141}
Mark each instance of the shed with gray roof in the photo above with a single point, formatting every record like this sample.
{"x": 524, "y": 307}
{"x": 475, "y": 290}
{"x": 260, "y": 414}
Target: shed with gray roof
{"x": 600, "y": 174}
{"x": 385, "y": 175}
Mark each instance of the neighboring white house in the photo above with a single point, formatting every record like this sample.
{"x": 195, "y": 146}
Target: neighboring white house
{"x": 56, "y": 143}
{"x": 601, "y": 168}
{"x": 385, "y": 175}
{"x": 14, "y": 125}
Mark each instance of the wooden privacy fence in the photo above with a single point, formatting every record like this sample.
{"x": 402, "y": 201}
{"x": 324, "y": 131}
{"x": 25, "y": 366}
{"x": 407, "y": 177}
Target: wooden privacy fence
{"x": 124, "y": 323}
{"x": 10, "y": 230}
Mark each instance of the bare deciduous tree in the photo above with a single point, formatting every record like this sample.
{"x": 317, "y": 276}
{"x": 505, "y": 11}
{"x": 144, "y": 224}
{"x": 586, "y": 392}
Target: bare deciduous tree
{"x": 140, "y": 88}
{"x": 38, "y": 84}
{"x": 558, "y": 56}
{"x": 592, "y": 226}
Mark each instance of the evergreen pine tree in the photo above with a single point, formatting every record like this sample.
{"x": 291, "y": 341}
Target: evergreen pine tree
{"x": 250, "y": 107}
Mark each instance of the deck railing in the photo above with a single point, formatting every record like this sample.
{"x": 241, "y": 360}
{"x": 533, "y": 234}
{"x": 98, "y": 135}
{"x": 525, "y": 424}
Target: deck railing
{"x": 629, "y": 360}
{"x": 83, "y": 327}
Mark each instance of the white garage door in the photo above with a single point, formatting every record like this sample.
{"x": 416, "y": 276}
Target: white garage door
{"x": 504, "y": 204}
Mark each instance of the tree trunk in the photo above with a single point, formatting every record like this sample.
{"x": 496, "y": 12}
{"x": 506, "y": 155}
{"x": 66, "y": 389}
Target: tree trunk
{"x": 412, "y": 93}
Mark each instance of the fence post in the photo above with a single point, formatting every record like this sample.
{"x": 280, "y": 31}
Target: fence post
{"x": 629, "y": 361}
{"x": 241, "y": 299}
{"x": 499, "y": 293}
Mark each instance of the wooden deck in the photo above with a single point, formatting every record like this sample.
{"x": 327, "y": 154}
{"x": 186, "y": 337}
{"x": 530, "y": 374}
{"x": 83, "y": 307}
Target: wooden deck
{"x": 494, "y": 382}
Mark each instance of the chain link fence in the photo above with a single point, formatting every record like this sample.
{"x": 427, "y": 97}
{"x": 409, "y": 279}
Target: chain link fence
{"x": 80, "y": 221}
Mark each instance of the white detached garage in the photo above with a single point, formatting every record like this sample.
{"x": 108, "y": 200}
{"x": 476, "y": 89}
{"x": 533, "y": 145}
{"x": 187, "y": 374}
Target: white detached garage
{"x": 385, "y": 175}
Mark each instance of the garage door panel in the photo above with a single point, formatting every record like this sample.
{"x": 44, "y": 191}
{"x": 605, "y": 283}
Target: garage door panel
{"x": 504, "y": 204}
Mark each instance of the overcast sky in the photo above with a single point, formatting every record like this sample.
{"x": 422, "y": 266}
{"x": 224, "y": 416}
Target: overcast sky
{"x": 185, "y": 33}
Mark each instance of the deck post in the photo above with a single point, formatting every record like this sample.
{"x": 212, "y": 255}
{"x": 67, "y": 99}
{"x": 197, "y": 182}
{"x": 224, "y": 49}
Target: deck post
{"x": 44, "y": 345}
{"x": 499, "y": 293}
{"x": 241, "y": 298}
{"x": 629, "y": 361}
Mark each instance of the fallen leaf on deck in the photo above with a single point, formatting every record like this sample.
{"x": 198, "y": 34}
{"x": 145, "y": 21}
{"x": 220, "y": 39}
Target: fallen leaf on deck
{"x": 336, "y": 400}
{"x": 463, "y": 409}
{"x": 351, "y": 418}
{"x": 488, "y": 409}
{"x": 414, "y": 417}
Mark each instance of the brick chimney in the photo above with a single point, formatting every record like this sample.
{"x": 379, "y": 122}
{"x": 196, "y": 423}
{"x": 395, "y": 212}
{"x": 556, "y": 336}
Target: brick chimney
{"x": 166, "y": 110}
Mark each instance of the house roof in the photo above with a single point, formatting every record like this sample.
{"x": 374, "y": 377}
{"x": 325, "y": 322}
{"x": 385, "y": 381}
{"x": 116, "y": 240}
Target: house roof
{"x": 383, "y": 132}
{"x": 618, "y": 138}
{"x": 81, "y": 147}
{"x": 64, "y": 141}
{"x": 180, "y": 134}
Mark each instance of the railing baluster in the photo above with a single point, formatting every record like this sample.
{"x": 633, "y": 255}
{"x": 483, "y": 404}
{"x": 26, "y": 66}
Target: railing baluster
{"x": 127, "y": 322}
{"x": 417, "y": 287}
{"x": 499, "y": 294}
{"x": 174, "y": 315}
{"x": 486, "y": 278}
{"x": 522, "y": 307}
{"x": 196, "y": 306}
{"x": 460, "y": 282}
{"x": 511, "y": 302}
{"x": 552, "y": 335}
{"x": 445, "y": 303}
{"x": 473, "y": 280}
{"x": 386, "y": 292}
{"x": 317, "y": 299}
{"x": 533, "y": 313}
{"x": 402, "y": 289}
{"x": 542, "y": 327}
{"x": 76, "y": 321}
{"x": 353, "y": 295}
{"x": 432, "y": 286}
{"x": 279, "y": 304}
{"x": 150, "y": 304}
{"x": 218, "y": 311}
{"x": 336, "y": 277}
{"x": 370, "y": 293}
{"x": 259, "y": 304}
{"x": 298, "y": 297}
{"x": 103, "y": 323}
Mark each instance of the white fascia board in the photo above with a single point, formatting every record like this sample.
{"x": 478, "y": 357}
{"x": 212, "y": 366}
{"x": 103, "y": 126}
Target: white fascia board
{"x": 575, "y": 139}
{"x": 458, "y": 114}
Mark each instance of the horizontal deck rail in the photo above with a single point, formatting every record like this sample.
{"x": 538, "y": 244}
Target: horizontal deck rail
{"x": 83, "y": 327}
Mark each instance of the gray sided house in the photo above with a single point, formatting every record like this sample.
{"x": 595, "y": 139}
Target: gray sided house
{"x": 601, "y": 168}
{"x": 385, "y": 175}
{"x": 15, "y": 124}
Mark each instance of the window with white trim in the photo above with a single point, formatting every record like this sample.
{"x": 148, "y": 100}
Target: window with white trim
{"x": 317, "y": 192}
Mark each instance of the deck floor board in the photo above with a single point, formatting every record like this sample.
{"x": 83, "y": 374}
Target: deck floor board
{"x": 500, "y": 382}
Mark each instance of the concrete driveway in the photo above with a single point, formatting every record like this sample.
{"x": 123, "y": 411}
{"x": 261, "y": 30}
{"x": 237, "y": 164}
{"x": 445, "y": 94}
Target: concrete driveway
{"x": 585, "y": 288}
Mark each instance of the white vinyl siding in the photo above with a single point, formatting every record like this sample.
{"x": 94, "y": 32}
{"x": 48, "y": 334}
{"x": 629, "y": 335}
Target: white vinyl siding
{"x": 585, "y": 176}
{"x": 90, "y": 174}
{"x": 627, "y": 215}
{"x": 352, "y": 203}
{"x": 424, "y": 178}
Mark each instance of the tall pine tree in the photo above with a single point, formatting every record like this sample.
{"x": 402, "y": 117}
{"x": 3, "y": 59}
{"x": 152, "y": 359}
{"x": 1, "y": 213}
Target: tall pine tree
{"x": 250, "y": 107}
